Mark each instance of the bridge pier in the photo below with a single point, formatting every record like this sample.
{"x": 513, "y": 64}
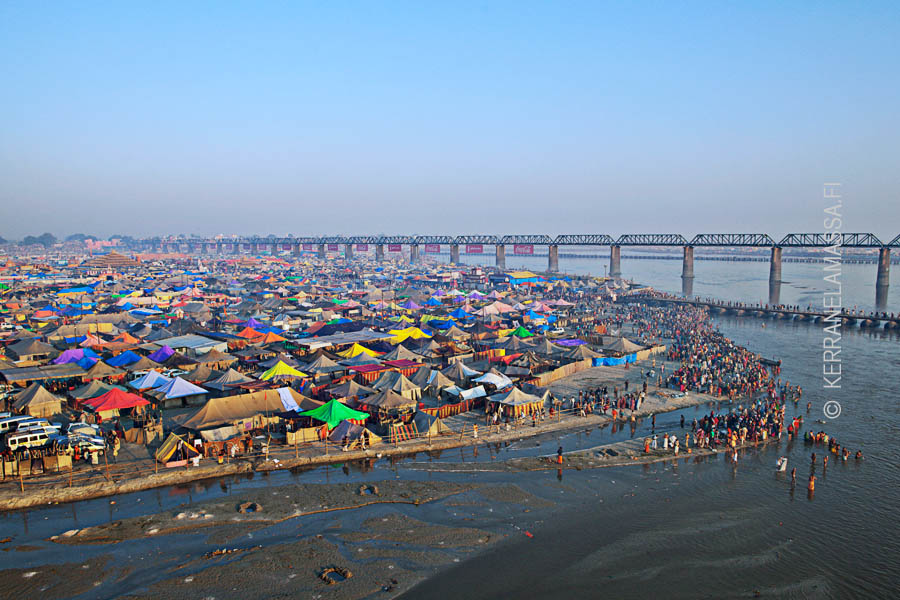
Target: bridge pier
{"x": 348, "y": 251}
{"x": 775, "y": 265}
{"x": 501, "y": 256}
{"x": 774, "y": 293}
{"x": 687, "y": 286}
{"x": 883, "y": 279}
{"x": 615, "y": 261}
{"x": 553, "y": 258}
{"x": 454, "y": 254}
{"x": 379, "y": 252}
{"x": 322, "y": 251}
{"x": 687, "y": 264}
{"x": 413, "y": 253}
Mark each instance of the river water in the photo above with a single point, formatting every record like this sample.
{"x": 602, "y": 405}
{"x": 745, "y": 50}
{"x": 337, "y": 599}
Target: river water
{"x": 695, "y": 528}
{"x": 802, "y": 283}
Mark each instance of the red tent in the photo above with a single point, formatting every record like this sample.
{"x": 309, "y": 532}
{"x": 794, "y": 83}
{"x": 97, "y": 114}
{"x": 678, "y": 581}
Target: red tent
{"x": 115, "y": 399}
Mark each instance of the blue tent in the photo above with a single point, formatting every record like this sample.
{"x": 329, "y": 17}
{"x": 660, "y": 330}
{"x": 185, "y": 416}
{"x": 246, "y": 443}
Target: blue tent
{"x": 459, "y": 313}
{"x": 433, "y": 302}
{"x": 126, "y": 358}
{"x": 86, "y": 363}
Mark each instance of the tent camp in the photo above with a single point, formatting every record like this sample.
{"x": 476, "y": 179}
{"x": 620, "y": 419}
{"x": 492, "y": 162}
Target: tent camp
{"x": 36, "y": 401}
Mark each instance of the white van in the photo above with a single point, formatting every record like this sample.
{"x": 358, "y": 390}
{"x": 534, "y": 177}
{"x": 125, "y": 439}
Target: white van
{"x": 27, "y": 439}
{"x": 11, "y": 423}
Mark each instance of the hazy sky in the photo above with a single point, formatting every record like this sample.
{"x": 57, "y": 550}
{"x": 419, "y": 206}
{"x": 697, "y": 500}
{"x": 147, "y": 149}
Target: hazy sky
{"x": 486, "y": 117}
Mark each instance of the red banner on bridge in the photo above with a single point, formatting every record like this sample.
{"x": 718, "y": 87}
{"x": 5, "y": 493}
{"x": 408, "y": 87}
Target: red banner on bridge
{"x": 432, "y": 248}
{"x": 474, "y": 249}
{"x": 247, "y": 247}
{"x": 333, "y": 247}
{"x": 362, "y": 247}
{"x": 523, "y": 249}
{"x": 307, "y": 247}
{"x": 285, "y": 246}
{"x": 395, "y": 247}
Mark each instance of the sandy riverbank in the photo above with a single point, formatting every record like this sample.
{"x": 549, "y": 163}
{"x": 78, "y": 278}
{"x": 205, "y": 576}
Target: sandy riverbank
{"x": 51, "y": 489}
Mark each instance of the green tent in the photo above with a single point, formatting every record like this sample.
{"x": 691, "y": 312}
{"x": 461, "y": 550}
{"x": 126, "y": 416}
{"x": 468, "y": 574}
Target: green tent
{"x": 333, "y": 412}
{"x": 521, "y": 332}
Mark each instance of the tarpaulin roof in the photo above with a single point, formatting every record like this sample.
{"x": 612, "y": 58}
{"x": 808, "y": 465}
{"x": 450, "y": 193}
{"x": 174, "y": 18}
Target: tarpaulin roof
{"x": 161, "y": 355}
{"x": 333, "y": 412}
{"x": 115, "y": 399}
{"x": 281, "y": 370}
{"x": 179, "y": 388}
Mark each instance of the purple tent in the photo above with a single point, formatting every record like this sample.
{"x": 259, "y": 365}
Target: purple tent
{"x": 161, "y": 355}
{"x": 74, "y": 355}
{"x": 569, "y": 342}
{"x": 252, "y": 323}
{"x": 409, "y": 304}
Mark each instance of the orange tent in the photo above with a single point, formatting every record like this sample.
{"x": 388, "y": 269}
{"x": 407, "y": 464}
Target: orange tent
{"x": 249, "y": 333}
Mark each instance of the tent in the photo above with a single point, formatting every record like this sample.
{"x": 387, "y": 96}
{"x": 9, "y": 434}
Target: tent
{"x": 494, "y": 378}
{"x": 429, "y": 425}
{"x": 224, "y": 382}
{"x": 353, "y": 434}
{"x": 144, "y": 364}
{"x": 126, "y": 358}
{"x": 459, "y": 372}
{"x": 333, "y": 412}
{"x": 397, "y": 382}
{"x": 516, "y": 402}
{"x": 92, "y": 389}
{"x": 74, "y": 355}
{"x": 115, "y": 400}
{"x": 100, "y": 370}
{"x": 178, "y": 388}
{"x": 175, "y": 447}
{"x": 243, "y": 409}
{"x": 355, "y": 350}
{"x": 623, "y": 346}
{"x": 36, "y": 401}
{"x": 521, "y": 332}
{"x": 281, "y": 370}
{"x": 389, "y": 401}
{"x": 161, "y": 355}
{"x": 153, "y": 379}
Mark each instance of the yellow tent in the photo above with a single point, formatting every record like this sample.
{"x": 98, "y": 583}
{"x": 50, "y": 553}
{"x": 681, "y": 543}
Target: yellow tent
{"x": 401, "y": 335}
{"x": 356, "y": 350}
{"x": 168, "y": 448}
{"x": 281, "y": 369}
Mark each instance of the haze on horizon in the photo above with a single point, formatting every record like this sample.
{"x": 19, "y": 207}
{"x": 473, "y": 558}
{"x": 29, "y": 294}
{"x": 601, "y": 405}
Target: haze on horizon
{"x": 468, "y": 117}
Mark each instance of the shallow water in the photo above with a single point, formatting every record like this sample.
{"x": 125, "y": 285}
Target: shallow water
{"x": 709, "y": 529}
